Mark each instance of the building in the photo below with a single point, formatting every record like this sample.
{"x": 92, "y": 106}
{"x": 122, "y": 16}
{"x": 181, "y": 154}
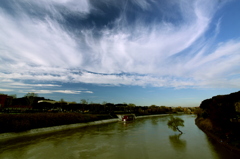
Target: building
{"x": 3, "y": 99}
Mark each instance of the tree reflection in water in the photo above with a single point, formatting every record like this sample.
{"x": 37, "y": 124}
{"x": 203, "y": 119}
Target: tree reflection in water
{"x": 177, "y": 143}
{"x": 154, "y": 121}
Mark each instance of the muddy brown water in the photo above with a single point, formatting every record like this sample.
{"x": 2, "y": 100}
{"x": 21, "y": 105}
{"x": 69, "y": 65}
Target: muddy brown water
{"x": 146, "y": 138}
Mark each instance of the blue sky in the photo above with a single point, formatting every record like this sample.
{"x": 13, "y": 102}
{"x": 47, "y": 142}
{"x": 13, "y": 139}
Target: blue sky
{"x": 173, "y": 53}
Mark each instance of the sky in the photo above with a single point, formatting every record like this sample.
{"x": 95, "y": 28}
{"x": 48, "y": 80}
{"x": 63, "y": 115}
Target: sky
{"x": 161, "y": 52}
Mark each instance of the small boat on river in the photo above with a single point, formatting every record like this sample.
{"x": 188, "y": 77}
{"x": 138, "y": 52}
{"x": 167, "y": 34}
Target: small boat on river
{"x": 126, "y": 117}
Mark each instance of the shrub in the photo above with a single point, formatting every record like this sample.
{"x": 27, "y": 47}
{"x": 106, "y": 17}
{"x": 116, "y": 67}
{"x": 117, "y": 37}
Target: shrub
{"x": 204, "y": 123}
{"x": 22, "y": 122}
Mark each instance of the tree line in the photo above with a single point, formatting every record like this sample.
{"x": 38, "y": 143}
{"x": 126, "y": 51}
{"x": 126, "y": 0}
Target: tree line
{"x": 31, "y": 102}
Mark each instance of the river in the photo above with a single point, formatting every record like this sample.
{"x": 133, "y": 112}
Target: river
{"x": 146, "y": 138}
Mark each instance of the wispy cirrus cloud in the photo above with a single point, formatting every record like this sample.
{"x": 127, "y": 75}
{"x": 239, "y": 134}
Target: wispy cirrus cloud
{"x": 22, "y": 85}
{"x": 123, "y": 51}
{"x": 58, "y": 91}
{"x": 11, "y": 85}
{"x": 6, "y": 90}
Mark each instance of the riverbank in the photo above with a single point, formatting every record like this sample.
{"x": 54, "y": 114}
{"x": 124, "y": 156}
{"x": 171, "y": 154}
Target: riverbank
{"x": 27, "y": 121}
{"x": 39, "y": 131}
{"x": 145, "y": 116}
{"x": 218, "y": 118}
{"x": 216, "y": 138}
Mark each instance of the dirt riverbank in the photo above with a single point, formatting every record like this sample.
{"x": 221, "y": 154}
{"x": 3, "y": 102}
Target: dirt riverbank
{"x": 220, "y": 141}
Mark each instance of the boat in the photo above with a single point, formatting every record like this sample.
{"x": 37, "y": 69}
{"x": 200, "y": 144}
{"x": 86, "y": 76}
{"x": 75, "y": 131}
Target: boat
{"x": 126, "y": 117}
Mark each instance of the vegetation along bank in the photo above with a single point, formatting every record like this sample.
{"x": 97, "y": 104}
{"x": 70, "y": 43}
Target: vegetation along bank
{"x": 32, "y": 111}
{"x": 219, "y": 118}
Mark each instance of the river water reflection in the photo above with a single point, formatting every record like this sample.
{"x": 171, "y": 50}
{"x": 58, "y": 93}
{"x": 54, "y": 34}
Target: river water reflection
{"x": 146, "y": 138}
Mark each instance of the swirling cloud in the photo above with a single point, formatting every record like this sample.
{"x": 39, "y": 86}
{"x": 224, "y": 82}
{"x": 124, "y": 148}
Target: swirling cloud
{"x": 135, "y": 42}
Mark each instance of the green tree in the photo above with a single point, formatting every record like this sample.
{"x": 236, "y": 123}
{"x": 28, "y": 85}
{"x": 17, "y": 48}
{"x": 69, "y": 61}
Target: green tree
{"x": 174, "y": 123}
{"x": 84, "y": 101}
{"x": 73, "y": 102}
{"x": 62, "y": 102}
{"x": 131, "y": 107}
{"x": 30, "y": 97}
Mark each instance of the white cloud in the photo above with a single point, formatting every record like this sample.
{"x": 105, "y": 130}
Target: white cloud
{"x": 18, "y": 84}
{"x": 55, "y": 7}
{"x": 143, "y": 49}
{"x": 5, "y": 90}
{"x": 67, "y": 91}
{"x": 41, "y": 49}
{"x": 88, "y": 92}
{"x": 102, "y": 79}
{"x": 221, "y": 63}
{"x": 144, "y": 4}
{"x": 56, "y": 91}
{"x": 20, "y": 87}
{"x": 40, "y": 43}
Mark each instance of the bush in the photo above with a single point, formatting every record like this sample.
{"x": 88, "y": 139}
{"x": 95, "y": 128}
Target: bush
{"x": 23, "y": 122}
{"x": 205, "y": 124}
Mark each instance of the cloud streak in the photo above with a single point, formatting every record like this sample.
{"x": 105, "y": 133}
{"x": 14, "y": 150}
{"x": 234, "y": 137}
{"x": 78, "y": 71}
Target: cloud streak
{"x": 59, "y": 91}
{"x": 129, "y": 49}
